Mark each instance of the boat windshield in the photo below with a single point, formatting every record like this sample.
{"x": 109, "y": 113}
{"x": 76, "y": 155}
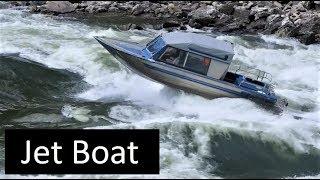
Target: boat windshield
{"x": 155, "y": 45}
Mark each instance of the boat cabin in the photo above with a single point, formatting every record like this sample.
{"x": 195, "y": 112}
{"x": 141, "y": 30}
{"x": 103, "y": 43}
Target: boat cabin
{"x": 194, "y": 52}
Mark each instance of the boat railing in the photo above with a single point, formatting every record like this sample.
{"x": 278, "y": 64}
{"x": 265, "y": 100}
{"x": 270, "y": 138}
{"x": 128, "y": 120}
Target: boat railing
{"x": 253, "y": 73}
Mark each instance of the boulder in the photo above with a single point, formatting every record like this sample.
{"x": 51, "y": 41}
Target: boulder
{"x": 33, "y": 9}
{"x": 170, "y": 24}
{"x": 137, "y": 9}
{"x": 183, "y": 28}
{"x": 186, "y": 8}
{"x": 308, "y": 30}
{"x": 249, "y": 5}
{"x": 287, "y": 6}
{"x": 37, "y": 3}
{"x": 181, "y": 14}
{"x": 226, "y": 9}
{"x": 273, "y": 23}
{"x": 135, "y": 26}
{"x": 223, "y": 20}
{"x": 194, "y": 6}
{"x": 299, "y": 7}
{"x": 113, "y": 9}
{"x": 286, "y": 22}
{"x": 256, "y": 26}
{"x": 241, "y": 15}
{"x": 204, "y": 16}
{"x": 316, "y": 5}
{"x": 60, "y": 6}
{"x": 277, "y": 4}
{"x": 172, "y": 8}
{"x": 261, "y": 15}
{"x": 231, "y": 27}
{"x": 125, "y": 7}
{"x": 90, "y": 8}
{"x": 310, "y": 5}
{"x": 237, "y": 22}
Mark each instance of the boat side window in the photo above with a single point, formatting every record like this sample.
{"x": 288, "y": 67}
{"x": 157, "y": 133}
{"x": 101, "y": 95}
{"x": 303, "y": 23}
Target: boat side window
{"x": 173, "y": 56}
{"x": 197, "y": 63}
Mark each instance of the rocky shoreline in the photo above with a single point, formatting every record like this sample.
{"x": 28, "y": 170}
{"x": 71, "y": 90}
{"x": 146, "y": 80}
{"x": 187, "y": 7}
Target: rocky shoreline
{"x": 297, "y": 19}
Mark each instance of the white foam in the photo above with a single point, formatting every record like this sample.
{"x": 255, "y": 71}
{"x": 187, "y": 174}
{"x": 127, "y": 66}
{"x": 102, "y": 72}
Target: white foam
{"x": 78, "y": 113}
{"x": 70, "y": 45}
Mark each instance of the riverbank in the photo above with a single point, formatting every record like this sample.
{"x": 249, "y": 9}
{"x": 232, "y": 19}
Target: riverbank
{"x": 300, "y": 20}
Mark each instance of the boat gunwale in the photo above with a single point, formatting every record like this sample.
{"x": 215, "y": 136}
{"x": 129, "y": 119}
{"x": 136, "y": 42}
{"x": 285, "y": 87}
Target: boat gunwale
{"x": 245, "y": 91}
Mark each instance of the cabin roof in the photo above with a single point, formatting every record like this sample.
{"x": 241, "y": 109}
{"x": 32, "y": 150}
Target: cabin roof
{"x": 199, "y": 42}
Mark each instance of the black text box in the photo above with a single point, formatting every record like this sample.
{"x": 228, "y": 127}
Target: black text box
{"x": 144, "y": 160}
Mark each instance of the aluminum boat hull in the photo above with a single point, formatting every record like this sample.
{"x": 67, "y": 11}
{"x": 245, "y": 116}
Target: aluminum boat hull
{"x": 176, "y": 77}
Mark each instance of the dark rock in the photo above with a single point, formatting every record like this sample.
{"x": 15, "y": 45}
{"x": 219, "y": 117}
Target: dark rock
{"x": 256, "y": 26}
{"x": 34, "y": 9}
{"x": 182, "y": 14}
{"x": 20, "y": 3}
{"x": 113, "y": 9}
{"x": 308, "y": 30}
{"x": 169, "y": 24}
{"x": 308, "y": 38}
{"x": 299, "y": 7}
{"x": 43, "y": 9}
{"x": 194, "y": 6}
{"x": 309, "y": 4}
{"x": 223, "y": 20}
{"x": 261, "y": 15}
{"x": 37, "y": 3}
{"x": 154, "y": 6}
{"x": 90, "y": 8}
{"x": 185, "y": 8}
{"x": 125, "y": 7}
{"x": 235, "y": 26}
{"x": 135, "y": 26}
{"x": 315, "y": 5}
{"x": 286, "y": 22}
{"x": 114, "y": 4}
{"x": 204, "y": 16}
{"x": 273, "y": 23}
{"x": 124, "y": 27}
{"x": 194, "y": 24}
{"x": 59, "y": 6}
{"x": 166, "y": 15}
{"x": 277, "y": 4}
{"x": 249, "y": 5}
{"x": 157, "y": 26}
{"x": 101, "y": 9}
{"x": 172, "y": 8}
{"x": 137, "y": 9}
{"x": 263, "y": 3}
{"x": 275, "y": 10}
{"x": 287, "y": 6}
{"x": 242, "y": 15}
{"x": 226, "y": 9}
{"x": 183, "y": 28}
{"x": 239, "y": 20}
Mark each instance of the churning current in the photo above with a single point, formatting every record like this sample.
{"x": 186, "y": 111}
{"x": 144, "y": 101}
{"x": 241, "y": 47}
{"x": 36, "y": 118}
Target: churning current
{"x": 53, "y": 74}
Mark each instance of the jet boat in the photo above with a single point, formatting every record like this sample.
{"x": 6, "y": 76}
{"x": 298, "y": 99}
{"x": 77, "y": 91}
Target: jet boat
{"x": 195, "y": 63}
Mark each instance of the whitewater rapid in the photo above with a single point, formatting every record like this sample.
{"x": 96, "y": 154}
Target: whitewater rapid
{"x": 192, "y": 128}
